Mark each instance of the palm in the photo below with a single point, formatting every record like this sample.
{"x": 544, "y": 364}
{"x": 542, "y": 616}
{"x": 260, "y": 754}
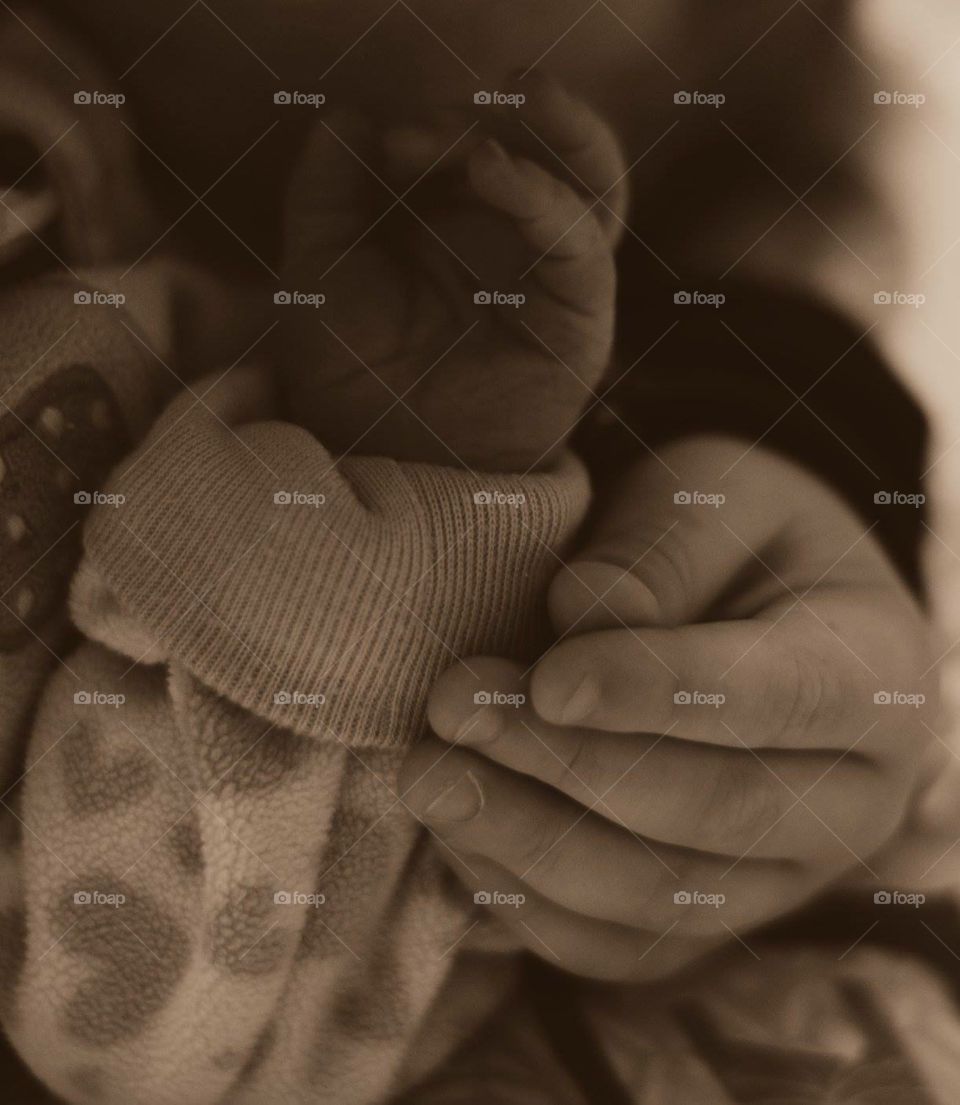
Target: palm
{"x": 401, "y": 359}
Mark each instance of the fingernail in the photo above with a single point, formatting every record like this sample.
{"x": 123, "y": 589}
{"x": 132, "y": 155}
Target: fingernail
{"x": 461, "y": 801}
{"x": 494, "y": 153}
{"x": 582, "y": 702}
{"x": 481, "y": 727}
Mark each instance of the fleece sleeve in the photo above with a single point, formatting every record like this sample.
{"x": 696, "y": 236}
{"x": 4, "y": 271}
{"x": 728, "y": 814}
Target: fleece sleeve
{"x": 262, "y": 624}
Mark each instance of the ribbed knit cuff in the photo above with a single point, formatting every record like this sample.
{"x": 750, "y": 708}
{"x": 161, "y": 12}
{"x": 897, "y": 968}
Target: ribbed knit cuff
{"x": 324, "y": 595}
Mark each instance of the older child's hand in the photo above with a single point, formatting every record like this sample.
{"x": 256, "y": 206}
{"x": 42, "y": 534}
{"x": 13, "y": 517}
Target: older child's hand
{"x": 739, "y": 708}
{"x": 469, "y": 289}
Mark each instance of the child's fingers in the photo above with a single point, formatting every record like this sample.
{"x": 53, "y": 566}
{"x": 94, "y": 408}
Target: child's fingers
{"x": 330, "y": 200}
{"x": 572, "y": 259}
{"x": 444, "y": 141}
{"x": 583, "y": 142}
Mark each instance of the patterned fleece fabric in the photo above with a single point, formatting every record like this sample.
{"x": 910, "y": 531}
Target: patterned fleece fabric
{"x": 209, "y": 890}
{"x": 214, "y": 652}
{"x": 226, "y": 899}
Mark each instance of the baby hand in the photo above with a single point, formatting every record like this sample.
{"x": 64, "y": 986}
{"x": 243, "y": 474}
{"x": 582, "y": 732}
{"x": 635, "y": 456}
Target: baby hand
{"x": 469, "y": 329}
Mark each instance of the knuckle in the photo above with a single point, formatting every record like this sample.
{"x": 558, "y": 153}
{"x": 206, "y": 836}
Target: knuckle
{"x": 740, "y": 804}
{"x": 656, "y": 906}
{"x": 576, "y": 764}
{"x": 809, "y": 692}
{"x": 463, "y": 688}
{"x": 536, "y": 847}
{"x": 667, "y": 571}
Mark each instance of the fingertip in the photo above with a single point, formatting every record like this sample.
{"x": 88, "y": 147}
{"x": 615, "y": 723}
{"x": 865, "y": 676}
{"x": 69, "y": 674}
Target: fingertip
{"x": 594, "y": 594}
{"x": 564, "y": 690}
{"x": 464, "y": 693}
{"x": 490, "y": 159}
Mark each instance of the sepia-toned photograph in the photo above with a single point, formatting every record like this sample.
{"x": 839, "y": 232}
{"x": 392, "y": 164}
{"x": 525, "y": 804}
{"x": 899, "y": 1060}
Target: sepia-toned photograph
{"x": 479, "y": 552}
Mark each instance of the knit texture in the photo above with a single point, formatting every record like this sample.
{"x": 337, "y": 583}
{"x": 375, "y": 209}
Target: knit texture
{"x": 226, "y": 899}
{"x": 273, "y": 572}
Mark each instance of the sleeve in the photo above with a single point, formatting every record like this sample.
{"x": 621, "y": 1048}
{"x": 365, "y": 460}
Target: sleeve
{"x": 770, "y": 366}
{"x": 236, "y": 537}
{"x": 262, "y": 623}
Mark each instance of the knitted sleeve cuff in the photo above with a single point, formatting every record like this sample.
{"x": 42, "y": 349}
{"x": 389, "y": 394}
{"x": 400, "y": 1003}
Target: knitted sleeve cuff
{"x": 323, "y": 594}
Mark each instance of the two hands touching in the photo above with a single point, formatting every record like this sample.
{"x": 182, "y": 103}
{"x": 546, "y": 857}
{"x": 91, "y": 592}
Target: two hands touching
{"x": 603, "y": 796}
{"x": 706, "y": 723}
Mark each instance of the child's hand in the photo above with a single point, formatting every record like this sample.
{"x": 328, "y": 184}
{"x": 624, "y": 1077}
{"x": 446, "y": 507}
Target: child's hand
{"x": 404, "y": 358}
{"x": 717, "y": 719}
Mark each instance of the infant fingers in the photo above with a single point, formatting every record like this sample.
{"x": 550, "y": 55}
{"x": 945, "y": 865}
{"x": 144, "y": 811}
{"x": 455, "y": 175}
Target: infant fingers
{"x": 330, "y": 198}
{"x": 582, "y": 142}
{"x": 572, "y": 262}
